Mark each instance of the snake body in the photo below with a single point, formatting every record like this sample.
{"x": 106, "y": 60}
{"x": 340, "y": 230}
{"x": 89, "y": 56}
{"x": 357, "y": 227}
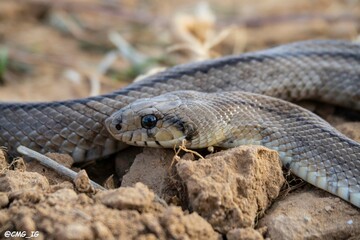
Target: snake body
{"x": 307, "y": 145}
{"x": 323, "y": 70}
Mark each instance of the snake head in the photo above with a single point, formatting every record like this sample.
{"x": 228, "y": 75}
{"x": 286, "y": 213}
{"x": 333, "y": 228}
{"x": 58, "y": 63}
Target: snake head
{"x": 160, "y": 121}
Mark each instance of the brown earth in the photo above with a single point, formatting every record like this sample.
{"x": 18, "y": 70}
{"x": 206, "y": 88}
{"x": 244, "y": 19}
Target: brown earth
{"x": 54, "y": 51}
{"x": 224, "y": 192}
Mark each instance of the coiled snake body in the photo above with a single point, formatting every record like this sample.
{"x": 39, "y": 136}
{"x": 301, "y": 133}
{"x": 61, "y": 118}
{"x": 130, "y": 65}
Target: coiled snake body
{"x": 230, "y": 115}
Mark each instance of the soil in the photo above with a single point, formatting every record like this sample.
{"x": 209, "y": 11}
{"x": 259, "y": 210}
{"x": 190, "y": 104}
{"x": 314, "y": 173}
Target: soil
{"x": 62, "y": 50}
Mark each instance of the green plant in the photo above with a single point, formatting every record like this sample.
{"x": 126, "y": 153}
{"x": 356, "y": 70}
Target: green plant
{"x": 3, "y": 63}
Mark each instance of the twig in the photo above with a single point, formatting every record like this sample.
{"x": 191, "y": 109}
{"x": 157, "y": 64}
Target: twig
{"x": 62, "y": 170}
{"x": 48, "y": 162}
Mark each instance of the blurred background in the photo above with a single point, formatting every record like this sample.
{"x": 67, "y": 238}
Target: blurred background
{"x": 55, "y": 50}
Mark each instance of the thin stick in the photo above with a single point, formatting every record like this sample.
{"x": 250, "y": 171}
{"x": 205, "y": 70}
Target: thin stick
{"x": 48, "y": 162}
{"x": 62, "y": 170}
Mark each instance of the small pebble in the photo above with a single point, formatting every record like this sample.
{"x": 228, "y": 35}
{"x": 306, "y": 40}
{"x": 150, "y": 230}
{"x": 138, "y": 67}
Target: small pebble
{"x": 307, "y": 219}
{"x": 328, "y": 208}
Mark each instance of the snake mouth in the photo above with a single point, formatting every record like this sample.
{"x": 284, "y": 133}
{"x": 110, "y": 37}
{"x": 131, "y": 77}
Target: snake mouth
{"x": 163, "y": 137}
{"x": 171, "y": 137}
{"x": 158, "y": 144}
{"x": 160, "y": 137}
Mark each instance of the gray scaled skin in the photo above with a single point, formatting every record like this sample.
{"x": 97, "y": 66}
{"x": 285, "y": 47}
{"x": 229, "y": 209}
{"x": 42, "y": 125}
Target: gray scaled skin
{"x": 307, "y": 145}
{"x": 324, "y": 70}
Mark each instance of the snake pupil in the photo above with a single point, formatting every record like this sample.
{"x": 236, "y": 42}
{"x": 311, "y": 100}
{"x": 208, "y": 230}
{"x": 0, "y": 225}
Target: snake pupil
{"x": 118, "y": 126}
{"x": 148, "y": 121}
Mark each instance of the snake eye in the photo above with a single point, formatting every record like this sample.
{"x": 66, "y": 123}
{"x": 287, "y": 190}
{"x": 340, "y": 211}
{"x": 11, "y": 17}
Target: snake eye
{"x": 148, "y": 121}
{"x": 118, "y": 126}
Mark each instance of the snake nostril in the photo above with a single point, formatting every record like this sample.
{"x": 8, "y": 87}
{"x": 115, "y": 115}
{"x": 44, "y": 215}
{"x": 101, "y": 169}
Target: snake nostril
{"x": 118, "y": 126}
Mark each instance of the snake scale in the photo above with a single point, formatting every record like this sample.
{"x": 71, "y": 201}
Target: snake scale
{"x": 226, "y": 110}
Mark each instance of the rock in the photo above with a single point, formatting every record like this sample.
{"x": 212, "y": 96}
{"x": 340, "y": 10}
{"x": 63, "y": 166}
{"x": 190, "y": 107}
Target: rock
{"x": 150, "y": 167}
{"x": 138, "y": 197}
{"x": 244, "y": 234}
{"x": 312, "y": 214}
{"x": 17, "y": 180}
{"x": 124, "y": 160}
{"x": 231, "y": 188}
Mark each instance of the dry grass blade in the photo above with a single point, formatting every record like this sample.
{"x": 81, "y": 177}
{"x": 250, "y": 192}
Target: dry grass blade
{"x": 102, "y": 68}
{"x": 183, "y": 147}
{"x": 126, "y": 50}
{"x": 197, "y": 31}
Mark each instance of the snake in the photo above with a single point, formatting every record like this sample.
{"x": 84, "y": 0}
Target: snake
{"x": 228, "y": 101}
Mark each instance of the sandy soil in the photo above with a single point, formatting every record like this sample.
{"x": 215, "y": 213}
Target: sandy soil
{"x": 57, "y": 51}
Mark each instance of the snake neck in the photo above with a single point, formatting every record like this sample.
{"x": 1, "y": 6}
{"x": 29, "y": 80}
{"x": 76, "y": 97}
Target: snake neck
{"x": 307, "y": 145}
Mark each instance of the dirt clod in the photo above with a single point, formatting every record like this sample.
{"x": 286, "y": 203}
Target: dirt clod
{"x": 310, "y": 214}
{"x": 232, "y": 187}
{"x": 193, "y": 226}
{"x": 244, "y": 234}
{"x": 17, "y": 180}
{"x": 125, "y": 213}
{"x": 151, "y": 167}
{"x": 62, "y": 195}
{"x": 26, "y": 195}
{"x": 139, "y": 197}
{"x": 101, "y": 231}
{"x": 82, "y": 182}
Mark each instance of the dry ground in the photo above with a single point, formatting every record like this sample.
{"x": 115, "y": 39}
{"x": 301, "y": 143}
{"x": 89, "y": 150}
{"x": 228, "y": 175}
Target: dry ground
{"x": 54, "y": 50}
